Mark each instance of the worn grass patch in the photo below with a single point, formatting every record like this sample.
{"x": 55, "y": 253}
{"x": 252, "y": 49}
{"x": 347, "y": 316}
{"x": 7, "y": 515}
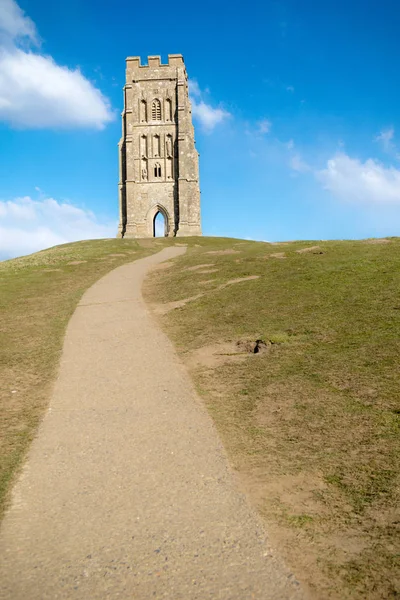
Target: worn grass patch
{"x": 311, "y": 424}
{"x": 38, "y": 294}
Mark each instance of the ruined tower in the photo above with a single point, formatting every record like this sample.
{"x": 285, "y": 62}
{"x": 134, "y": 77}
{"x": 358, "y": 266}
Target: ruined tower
{"x": 158, "y": 166}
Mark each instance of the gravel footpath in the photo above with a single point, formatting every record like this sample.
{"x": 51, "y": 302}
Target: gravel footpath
{"x": 127, "y": 492}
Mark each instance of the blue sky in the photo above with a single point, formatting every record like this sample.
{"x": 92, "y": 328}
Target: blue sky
{"x": 295, "y": 104}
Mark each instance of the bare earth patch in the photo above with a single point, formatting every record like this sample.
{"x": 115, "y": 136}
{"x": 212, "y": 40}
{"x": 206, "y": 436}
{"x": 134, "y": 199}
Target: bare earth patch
{"x": 208, "y": 271}
{"x": 295, "y": 494}
{"x": 223, "y": 252}
{"x": 196, "y": 267}
{"x": 163, "y": 266}
{"x": 206, "y": 281}
{"x": 76, "y": 262}
{"x": 162, "y": 309}
{"x": 313, "y": 249}
{"x": 377, "y": 241}
{"x": 148, "y": 242}
{"x": 278, "y": 255}
{"x": 215, "y": 355}
{"x": 239, "y": 280}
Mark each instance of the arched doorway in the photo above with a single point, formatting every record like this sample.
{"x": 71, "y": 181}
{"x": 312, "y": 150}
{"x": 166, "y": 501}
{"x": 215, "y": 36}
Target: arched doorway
{"x": 158, "y": 221}
{"x": 159, "y": 225}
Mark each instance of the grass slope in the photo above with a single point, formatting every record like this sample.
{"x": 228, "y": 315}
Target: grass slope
{"x": 312, "y": 423}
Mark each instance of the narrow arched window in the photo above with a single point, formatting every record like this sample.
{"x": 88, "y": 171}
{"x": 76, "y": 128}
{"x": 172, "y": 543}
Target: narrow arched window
{"x": 157, "y": 170}
{"x": 156, "y": 145}
{"x": 143, "y": 146}
{"x": 156, "y": 110}
{"x": 168, "y": 167}
{"x": 143, "y": 111}
{"x": 168, "y": 110}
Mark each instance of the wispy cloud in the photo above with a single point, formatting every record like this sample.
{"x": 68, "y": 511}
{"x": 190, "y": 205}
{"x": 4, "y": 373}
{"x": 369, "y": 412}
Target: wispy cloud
{"x": 350, "y": 179}
{"x": 194, "y": 89}
{"x": 15, "y": 25}
{"x": 298, "y": 164}
{"x": 207, "y": 115}
{"x": 36, "y": 92}
{"x": 290, "y": 89}
{"x": 385, "y": 138}
{"x": 264, "y": 126}
{"x": 28, "y": 225}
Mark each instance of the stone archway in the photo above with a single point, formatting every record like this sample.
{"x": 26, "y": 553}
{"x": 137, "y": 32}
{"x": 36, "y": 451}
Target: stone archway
{"x": 152, "y": 215}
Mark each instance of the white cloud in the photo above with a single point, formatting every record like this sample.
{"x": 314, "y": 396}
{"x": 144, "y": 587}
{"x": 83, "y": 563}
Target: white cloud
{"x": 264, "y": 126}
{"x": 194, "y": 89}
{"x": 28, "y": 225}
{"x": 207, "y": 115}
{"x": 298, "y": 164}
{"x": 14, "y": 24}
{"x": 35, "y": 92}
{"x": 353, "y": 180}
{"x": 296, "y": 161}
{"x": 386, "y": 139}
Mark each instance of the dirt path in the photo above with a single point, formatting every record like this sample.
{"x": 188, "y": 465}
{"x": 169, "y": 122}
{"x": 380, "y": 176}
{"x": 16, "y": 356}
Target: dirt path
{"x": 126, "y": 492}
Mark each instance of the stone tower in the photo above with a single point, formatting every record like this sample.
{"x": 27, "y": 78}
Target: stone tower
{"x": 158, "y": 166}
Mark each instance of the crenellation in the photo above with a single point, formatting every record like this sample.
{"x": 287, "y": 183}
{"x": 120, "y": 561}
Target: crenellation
{"x": 174, "y": 60}
{"x": 154, "y": 61}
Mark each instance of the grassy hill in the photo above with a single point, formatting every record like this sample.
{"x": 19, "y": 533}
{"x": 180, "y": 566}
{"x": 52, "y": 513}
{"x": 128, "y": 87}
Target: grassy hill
{"x": 295, "y": 350}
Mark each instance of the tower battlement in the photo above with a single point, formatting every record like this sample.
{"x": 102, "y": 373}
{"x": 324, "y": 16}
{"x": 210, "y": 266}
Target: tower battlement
{"x": 174, "y": 60}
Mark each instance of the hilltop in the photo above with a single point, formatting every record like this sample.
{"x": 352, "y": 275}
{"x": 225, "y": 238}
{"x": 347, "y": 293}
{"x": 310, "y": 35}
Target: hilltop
{"x": 293, "y": 347}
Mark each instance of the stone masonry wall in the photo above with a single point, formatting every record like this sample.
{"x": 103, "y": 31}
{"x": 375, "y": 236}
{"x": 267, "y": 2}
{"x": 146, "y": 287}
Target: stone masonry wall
{"x": 158, "y": 159}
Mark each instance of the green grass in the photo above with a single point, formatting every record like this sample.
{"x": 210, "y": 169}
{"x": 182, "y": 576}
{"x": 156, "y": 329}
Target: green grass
{"x": 311, "y": 425}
